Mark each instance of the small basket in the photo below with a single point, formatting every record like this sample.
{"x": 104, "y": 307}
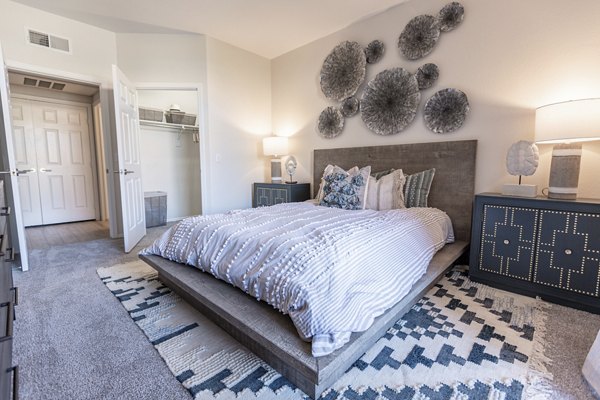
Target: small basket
{"x": 189, "y": 119}
{"x": 174, "y": 117}
{"x": 179, "y": 117}
{"x": 151, "y": 114}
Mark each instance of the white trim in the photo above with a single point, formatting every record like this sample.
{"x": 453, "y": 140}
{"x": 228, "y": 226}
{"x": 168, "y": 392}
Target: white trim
{"x": 49, "y": 100}
{"x": 24, "y": 68}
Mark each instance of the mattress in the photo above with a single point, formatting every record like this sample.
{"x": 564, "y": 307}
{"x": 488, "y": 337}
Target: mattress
{"x": 332, "y": 271}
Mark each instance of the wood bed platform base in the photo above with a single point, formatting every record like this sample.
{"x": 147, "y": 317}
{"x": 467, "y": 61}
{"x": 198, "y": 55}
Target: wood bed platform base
{"x": 272, "y": 336}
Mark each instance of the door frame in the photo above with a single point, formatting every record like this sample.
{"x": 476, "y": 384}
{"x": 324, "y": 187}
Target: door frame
{"x": 204, "y": 147}
{"x": 91, "y": 129}
{"x": 105, "y": 87}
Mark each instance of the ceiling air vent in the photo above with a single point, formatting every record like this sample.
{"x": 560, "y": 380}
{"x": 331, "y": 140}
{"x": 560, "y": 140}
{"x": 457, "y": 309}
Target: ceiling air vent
{"x": 47, "y": 40}
{"x": 58, "y": 86}
{"x": 44, "y": 84}
{"x": 30, "y": 82}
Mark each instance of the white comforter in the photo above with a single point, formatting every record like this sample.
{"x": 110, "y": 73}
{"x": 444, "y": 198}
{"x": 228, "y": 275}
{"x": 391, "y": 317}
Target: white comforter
{"x": 333, "y": 271}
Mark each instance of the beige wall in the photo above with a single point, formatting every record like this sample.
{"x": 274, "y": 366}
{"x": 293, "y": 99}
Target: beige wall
{"x": 238, "y": 87}
{"x": 508, "y": 56}
{"x": 92, "y": 49}
{"x": 239, "y": 115}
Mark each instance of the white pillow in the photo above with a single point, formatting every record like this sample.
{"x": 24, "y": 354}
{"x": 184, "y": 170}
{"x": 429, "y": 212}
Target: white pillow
{"x": 329, "y": 169}
{"x": 387, "y": 193}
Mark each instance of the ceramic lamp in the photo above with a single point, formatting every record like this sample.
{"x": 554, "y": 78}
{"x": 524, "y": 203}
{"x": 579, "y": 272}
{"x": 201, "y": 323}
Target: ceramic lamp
{"x": 275, "y": 146}
{"x": 567, "y": 124}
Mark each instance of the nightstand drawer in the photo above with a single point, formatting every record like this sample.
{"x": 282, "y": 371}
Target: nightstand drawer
{"x": 507, "y": 239}
{"x": 269, "y": 194}
{"x": 568, "y": 251}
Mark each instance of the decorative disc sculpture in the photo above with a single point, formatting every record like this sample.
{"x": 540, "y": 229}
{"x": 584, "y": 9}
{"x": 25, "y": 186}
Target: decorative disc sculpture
{"x": 522, "y": 159}
{"x": 343, "y": 71}
{"x": 427, "y": 75}
{"x": 331, "y": 123}
{"x": 446, "y": 110}
{"x": 374, "y": 51}
{"x": 419, "y": 37}
{"x": 450, "y": 16}
{"x": 350, "y": 107}
{"x": 390, "y": 101}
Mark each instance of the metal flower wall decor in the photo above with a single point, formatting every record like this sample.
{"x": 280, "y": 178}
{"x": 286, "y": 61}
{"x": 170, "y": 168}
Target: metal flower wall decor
{"x": 427, "y": 75}
{"x": 419, "y": 37}
{"x": 349, "y": 107}
{"x": 446, "y": 111}
{"x": 343, "y": 71}
{"x": 421, "y": 34}
{"x": 374, "y": 51}
{"x": 390, "y": 101}
{"x": 331, "y": 123}
{"x": 450, "y": 16}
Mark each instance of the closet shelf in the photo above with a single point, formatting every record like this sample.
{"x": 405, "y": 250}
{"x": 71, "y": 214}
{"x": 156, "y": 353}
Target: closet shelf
{"x": 165, "y": 125}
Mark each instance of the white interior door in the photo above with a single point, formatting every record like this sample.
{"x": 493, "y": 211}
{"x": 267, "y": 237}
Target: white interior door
{"x": 64, "y": 159}
{"x": 26, "y": 159}
{"x": 9, "y": 168}
{"x": 128, "y": 149}
{"x": 53, "y": 141}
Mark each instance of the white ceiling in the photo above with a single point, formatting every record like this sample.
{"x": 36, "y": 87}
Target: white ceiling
{"x": 265, "y": 27}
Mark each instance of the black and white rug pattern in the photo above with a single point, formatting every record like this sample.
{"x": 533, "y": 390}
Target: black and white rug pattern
{"x": 462, "y": 340}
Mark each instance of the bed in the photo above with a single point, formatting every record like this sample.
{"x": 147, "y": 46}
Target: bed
{"x": 270, "y": 334}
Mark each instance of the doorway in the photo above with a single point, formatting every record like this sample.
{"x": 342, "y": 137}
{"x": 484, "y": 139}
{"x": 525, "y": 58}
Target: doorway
{"x": 55, "y": 136}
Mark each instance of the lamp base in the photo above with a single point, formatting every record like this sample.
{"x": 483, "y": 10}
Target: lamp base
{"x": 509, "y": 189}
{"x": 276, "y": 170}
{"x": 564, "y": 171}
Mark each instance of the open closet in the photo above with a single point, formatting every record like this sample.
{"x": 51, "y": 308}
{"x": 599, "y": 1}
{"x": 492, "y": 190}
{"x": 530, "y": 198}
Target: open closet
{"x": 170, "y": 151}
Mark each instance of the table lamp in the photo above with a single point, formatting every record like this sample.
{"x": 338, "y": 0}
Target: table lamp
{"x": 567, "y": 124}
{"x": 275, "y": 146}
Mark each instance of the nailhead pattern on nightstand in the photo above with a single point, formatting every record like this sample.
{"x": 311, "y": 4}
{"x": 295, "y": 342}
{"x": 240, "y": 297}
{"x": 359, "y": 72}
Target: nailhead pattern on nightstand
{"x": 269, "y": 194}
{"x": 573, "y": 265}
{"x": 539, "y": 247}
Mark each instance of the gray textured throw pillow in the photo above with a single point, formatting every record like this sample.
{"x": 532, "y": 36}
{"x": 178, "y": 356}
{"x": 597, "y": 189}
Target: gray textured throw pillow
{"x": 416, "y": 188}
{"x": 345, "y": 190}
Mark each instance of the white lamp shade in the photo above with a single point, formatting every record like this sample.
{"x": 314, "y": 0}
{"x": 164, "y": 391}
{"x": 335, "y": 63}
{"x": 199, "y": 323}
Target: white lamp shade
{"x": 570, "y": 121}
{"x": 275, "y": 146}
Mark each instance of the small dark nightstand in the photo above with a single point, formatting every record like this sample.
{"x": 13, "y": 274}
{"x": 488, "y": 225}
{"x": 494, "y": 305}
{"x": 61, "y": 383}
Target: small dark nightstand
{"x": 268, "y": 194}
{"x": 538, "y": 247}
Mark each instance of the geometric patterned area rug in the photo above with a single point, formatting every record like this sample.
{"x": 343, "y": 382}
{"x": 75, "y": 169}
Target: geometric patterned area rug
{"x": 462, "y": 340}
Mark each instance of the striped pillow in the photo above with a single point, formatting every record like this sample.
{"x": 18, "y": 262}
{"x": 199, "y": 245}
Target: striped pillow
{"x": 380, "y": 174}
{"x": 416, "y": 188}
{"x": 387, "y": 192}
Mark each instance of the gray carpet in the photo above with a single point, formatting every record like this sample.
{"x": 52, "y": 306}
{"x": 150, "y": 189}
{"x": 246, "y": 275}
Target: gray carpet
{"x": 73, "y": 340}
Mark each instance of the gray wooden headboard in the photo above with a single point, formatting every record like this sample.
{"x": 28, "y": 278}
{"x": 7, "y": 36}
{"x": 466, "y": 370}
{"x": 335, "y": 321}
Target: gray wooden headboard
{"x": 453, "y": 186}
